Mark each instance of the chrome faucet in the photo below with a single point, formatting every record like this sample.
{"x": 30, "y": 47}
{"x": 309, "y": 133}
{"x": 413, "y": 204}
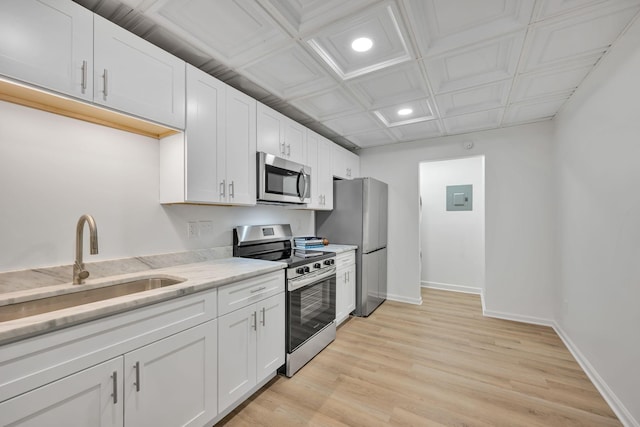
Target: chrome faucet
{"x": 79, "y": 273}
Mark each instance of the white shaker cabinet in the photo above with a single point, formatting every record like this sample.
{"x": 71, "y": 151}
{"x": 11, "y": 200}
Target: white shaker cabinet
{"x": 280, "y": 136}
{"x": 172, "y": 382}
{"x": 136, "y": 77}
{"x": 92, "y": 397}
{"x": 251, "y": 335}
{"x": 319, "y": 159}
{"x": 48, "y": 43}
{"x": 346, "y": 165}
{"x": 213, "y": 162}
{"x": 345, "y": 285}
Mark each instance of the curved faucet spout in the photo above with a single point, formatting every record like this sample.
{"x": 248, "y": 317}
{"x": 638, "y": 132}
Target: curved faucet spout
{"x": 79, "y": 273}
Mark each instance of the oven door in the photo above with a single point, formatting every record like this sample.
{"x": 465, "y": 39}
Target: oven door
{"x": 311, "y": 305}
{"x": 283, "y": 181}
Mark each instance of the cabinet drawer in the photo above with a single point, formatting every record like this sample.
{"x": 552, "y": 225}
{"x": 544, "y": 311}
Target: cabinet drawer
{"x": 241, "y": 294}
{"x": 345, "y": 258}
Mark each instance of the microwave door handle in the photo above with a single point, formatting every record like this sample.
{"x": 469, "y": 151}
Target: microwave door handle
{"x": 302, "y": 194}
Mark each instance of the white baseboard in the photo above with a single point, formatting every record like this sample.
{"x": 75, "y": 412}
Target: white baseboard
{"x": 450, "y": 287}
{"x": 399, "y": 298}
{"x": 609, "y": 396}
{"x": 516, "y": 317}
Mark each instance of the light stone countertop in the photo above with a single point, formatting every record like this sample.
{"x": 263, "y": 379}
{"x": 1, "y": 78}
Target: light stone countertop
{"x": 338, "y": 248}
{"x": 198, "y": 277}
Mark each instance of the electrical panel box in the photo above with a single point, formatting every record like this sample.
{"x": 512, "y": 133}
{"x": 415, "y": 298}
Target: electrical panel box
{"x": 459, "y": 197}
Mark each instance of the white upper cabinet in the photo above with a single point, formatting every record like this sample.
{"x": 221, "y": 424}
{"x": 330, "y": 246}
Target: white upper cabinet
{"x": 134, "y": 76}
{"x": 214, "y": 161}
{"x": 48, "y": 43}
{"x": 281, "y": 136}
{"x": 319, "y": 159}
{"x": 240, "y": 148}
{"x": 346, "y": 165}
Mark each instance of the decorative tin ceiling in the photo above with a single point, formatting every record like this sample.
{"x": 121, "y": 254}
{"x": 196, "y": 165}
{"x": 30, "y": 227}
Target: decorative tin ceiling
{"x": 433, "y": 67}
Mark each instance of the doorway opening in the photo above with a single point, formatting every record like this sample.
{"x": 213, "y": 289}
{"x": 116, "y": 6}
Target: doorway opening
{"x": 452, "y": 224}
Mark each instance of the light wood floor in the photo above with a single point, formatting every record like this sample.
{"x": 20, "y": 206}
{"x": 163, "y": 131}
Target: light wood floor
{"x": 441, "y": 363}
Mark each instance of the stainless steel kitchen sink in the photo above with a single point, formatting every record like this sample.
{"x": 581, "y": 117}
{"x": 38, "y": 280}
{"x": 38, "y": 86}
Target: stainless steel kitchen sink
{"x": 82, "y": 296}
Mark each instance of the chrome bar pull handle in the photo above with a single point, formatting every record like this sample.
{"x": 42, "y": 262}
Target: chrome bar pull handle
{"x": 254, "y": 315}
{"x": 231, "y": 189}
{"x": 84, "y": 76}
{"x": 261, "y": 288}
{"x": 137, "y": 383}
{"x": 282, "y": 148}
{"x": 223, "y": 185}
{"x": 288, "y": 149}
{"x": 264, "y": 316}
{"x": 105, "y": 77}
{"x": 114, "y": 377}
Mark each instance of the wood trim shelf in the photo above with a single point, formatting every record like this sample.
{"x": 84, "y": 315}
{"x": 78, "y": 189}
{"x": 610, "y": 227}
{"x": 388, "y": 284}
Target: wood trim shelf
{"x": 28, "y": 96}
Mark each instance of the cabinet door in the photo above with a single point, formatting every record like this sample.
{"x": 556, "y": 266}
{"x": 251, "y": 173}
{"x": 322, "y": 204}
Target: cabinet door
{"x": 172, "y": 382}
{"x": 338, "y": 162}
{"x": 205, "y": 148}
{"x": 341, "y": 295}
{"x": 92, "y": 397}
{"x": 312, "y": 161}
{"x": 324, "y": 176}
{"x": 295, "y": 141}
{"x": 134, "y": 76}
{"x": 270, "y": 131}
{"x": 271, "y": 339}
{"x": 352, "y": 165}
{"x": 236, "y": 355}
{"x": 48, "y": 43}
{"x": 241, "y": 148}
{"x": 350, "y": 290}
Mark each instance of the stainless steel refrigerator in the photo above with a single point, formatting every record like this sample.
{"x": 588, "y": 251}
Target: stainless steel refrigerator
{"x": 359, "y": 217}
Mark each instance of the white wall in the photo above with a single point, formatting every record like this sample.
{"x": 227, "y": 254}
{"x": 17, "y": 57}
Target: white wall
{"x": 452, "y": 242}
{"x": 54, "y": 169}
{"x": 598, "y": 161}
{"x": 518, "y": 207}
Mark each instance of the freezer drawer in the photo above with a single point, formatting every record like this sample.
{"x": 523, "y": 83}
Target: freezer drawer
{"x": 372, "y": 282}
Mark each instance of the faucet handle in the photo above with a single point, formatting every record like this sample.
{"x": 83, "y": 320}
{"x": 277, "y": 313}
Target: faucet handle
{"x": 83, "y": 274}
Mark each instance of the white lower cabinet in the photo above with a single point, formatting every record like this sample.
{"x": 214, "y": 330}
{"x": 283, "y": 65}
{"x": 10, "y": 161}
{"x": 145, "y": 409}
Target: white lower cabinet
{"x": 251, "y": 347}
{"x": 172, "y": 382}
{"x": 92, "y": 397}
{"x": 345, "y": 285}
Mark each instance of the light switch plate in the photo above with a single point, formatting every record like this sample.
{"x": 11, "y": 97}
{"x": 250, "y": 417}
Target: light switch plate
{"x": 459, "y": 197}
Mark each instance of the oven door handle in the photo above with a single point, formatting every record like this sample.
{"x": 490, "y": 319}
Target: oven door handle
{"x": 309, "y": 279}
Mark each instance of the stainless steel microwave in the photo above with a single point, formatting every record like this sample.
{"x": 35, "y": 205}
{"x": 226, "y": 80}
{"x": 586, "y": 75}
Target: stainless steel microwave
{"x": 282, "y": 181}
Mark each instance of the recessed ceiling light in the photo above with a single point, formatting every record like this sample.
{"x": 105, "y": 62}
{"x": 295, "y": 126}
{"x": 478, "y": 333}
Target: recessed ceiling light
{"x": 405, "y": 111}
{"x": 361, "y": 44}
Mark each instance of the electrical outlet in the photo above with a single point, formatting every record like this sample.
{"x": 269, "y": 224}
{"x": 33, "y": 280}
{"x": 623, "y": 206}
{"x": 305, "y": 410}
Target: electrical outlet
{"x": 206, "y": 228}
{"x": 193, "y": 231}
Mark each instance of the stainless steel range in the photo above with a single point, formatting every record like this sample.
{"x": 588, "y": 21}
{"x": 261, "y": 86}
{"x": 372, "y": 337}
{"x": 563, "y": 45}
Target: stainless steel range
{"x": 311, "y": 289}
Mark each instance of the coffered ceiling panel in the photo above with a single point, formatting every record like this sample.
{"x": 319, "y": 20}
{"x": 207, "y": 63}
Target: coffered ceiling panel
{"x": 328, "y": 104}
{"x": 390, "y": 86}
{"x": 488, "y": 119}
{"x": 551, "y": 82}
{"x": 380, "y": 25}
{"x": 458, "y": 65}
{"x": 588, "y": 32}
{"x": 475, "y": 99}
{"x": 405, "y": 113}
{"x": 304, "y": 16}
{"x": 442, "y": 25}
{"x": 530, "y": 111}
{"x": 288, "y": 73}
{"x": 475, "y": 64}
{"x": 412, "y": 132}
{"x": 355, "y": 123}
{"x": 372, "y": 138}
{"x": 233, "y": 31}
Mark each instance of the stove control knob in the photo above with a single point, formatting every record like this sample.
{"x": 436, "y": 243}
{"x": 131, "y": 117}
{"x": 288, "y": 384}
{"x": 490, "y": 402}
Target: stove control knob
{"x": 317, "y": 265}
{"x": 332, "y": 261}
{"x": 327, "y": 262}
{"x": 307, "y": 269}
{"x": 300, "y": 270}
